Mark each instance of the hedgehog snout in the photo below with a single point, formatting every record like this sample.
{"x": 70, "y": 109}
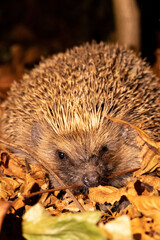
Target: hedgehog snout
{"x": 91, "y": 179}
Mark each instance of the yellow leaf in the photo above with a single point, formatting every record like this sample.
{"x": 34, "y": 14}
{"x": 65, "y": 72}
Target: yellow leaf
{"x": 105, "y": 194}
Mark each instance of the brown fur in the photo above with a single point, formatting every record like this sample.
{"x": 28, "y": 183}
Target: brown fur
{"x": 61, "y": 106}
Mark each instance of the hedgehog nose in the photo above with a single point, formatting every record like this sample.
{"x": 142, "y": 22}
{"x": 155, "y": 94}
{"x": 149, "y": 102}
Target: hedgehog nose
{"x": 91, "y": 179}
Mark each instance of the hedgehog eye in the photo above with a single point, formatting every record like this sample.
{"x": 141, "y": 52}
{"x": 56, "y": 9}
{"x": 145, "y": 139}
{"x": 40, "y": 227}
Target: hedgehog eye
{"x": 104, "y": 149}
{"x": 61, "y": 155}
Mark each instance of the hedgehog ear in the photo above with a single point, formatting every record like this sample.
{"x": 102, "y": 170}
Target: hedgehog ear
{"x": 36, "y": 132}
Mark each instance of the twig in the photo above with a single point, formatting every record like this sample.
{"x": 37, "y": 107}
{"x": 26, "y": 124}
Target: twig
{"x": 48, "y": 190}
{"x": 124, "y": 172}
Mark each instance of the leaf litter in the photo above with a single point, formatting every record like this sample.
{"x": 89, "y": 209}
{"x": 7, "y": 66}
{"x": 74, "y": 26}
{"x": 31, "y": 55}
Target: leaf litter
{"x": 130, "y": 212}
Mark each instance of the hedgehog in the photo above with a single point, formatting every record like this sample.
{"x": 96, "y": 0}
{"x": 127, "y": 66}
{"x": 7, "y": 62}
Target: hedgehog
{"x": 59, "y": 112}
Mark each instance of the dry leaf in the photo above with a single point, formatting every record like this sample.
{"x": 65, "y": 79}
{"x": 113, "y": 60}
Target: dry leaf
{"x": 138, "y": 229}
{"x": 150, "y": 159}
{"x": 148, "y": 205}
{"x": 12, "y": 166}
{"x": 131, "y": 211}
{"x": 107, "y": 194}
{"x": 8, "y": 187}
{"x": 16, "y": 181}
{"x": 153, "y": 181}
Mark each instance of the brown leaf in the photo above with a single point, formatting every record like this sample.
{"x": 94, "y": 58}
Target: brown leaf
{"x": 8, "y": 187}
{"x": 17, "y": 204}
{"x": 150, "y": 159}
{"x": 11, "y": 165}
{"x": 131, "y": 211}
{"x": 148, "y": 205}
{"x": 153, "y": 181}
{"x": 138, "y": 229}
{"x": 108, "y": 194}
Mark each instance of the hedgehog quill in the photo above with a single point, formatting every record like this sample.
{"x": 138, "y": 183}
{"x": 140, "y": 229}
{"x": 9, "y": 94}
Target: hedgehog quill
{"x": 58, "y": 110}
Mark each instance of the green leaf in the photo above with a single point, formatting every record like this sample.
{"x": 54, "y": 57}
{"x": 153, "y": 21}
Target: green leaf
{"x": 39, "y": 224}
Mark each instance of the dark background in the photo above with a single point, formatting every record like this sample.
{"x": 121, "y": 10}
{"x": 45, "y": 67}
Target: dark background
{"x": 54, "y": 25}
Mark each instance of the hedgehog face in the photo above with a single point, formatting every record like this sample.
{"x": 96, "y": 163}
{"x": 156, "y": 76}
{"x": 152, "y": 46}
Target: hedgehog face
{"x": 88, "y": 169}
{"x": 87, "y": 157}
